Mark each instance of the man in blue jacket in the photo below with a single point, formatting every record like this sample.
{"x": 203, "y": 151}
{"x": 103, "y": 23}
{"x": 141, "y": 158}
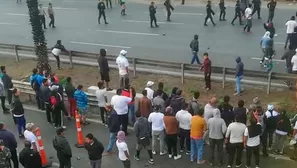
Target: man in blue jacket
{"x": 82, "y": 103}
{"x": 238, "y": 75}
{"x": 114, "y": 127}
{"x": 36, "y": 82}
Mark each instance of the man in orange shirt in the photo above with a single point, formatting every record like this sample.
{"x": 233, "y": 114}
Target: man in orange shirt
{"x": 198, "y": 127}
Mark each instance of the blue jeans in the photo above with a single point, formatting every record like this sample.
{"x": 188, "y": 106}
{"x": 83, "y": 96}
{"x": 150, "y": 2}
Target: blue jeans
{"x": 195, "y": 58}
{"x": 20, "y": 121}
{"x": 238, "y": 84}
{"x": 197, "y": 149}
{"x": 112, "y": 140}
{"x": 131, "y": 111}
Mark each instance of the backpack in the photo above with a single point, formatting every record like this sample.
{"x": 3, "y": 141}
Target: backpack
{"x": 34, "y": 84}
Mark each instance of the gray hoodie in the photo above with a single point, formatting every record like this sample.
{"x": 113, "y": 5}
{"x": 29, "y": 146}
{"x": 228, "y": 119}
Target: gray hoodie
{"x": 142, "y": 128}
{"x": 216, "y": 126}
{"x": 2, "y": 90}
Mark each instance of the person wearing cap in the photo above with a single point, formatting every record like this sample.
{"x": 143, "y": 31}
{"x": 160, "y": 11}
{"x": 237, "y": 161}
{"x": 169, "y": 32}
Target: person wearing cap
{"x": 114, "y": 127}
{"x": 144, "y": 105}
{"x": 29, "y": 158}
{"x": 123, "y": 66}
{"x": 56, "y": 50}
{"x": 63, "y": 148}
{"x": 31, "y": 137}
{"x": 150, "y": 91}
{"x": 10, "y": 142}
{"x": 18, "y": 112}
{"x": 5, "y": 156}
{"x": 104, "y": 68}
{"x": 82, "y": 103}
{"x": 95, "y": 150}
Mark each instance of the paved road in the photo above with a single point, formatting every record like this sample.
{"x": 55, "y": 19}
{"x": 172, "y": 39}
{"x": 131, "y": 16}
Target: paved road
{"x": 78, "y": 28}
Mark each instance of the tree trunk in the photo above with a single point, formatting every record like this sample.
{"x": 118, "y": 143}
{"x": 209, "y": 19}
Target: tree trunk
{"x": 38, "y": 36}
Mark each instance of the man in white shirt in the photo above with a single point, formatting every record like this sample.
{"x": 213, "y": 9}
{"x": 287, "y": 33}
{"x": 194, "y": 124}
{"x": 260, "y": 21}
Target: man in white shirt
{"x": 150, "y": 91}
{"x": 295, "y": 138}
{"x": 30, "y": 136}
{"x": 291, "y": 24}
{"x": 208, "y": 113}
{"x": 248, "y": 16}
{"x": 123, "y": 66}
{"x": 156, "y": 118}
{"x": 184, "y": 119}
{"x": 294, "y": 63}
{"x": 120, "y": 105}
{"x": 42, "y": 15}
{"x": 102, "y": 100}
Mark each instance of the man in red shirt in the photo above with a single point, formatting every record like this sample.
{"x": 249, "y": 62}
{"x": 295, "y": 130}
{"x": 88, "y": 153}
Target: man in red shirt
{"x": 206, "y": 67}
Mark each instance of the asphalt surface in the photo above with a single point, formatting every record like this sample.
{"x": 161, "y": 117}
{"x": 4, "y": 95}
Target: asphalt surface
{"x": 77, "y": 27}
{"x": 80, "y": 158}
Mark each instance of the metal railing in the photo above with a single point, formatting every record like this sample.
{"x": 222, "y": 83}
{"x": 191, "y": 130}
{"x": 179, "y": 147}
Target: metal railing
{"x": 171, "y": 68}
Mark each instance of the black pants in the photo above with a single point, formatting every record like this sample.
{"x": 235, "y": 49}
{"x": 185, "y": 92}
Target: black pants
{"x": 268, "y": 137}
{"x": 288, "y": 39}
{"x": 237, "y": 15}
{"x": 39, "y": 101}
{"x": 168, "y": 13}
{"x": 171, "y": 141}
{"x": 252, "y": 150}
{"x": 270, "y": 16}
{"x": 58, "y": 61}
{"x": 219, "y": 144}
{"x": 207, "y": 80}
{"x": 208, "y": 16}
{"x": 183, "y": 2}
{"x": 263, "y": 139}
{"x": 3, "y": 103}
{"x": 48, "y": 111}
{"x": 57, "y": 115}
{"x": 65, "y": 162}
{"x": 124, "y": 122}
{"x": 102, "y": 13}
{"x": 258, "y": 10}
{"x": 153, "y": 19}
{"x": 126, "y": 164}
{"x": 42, "y": 19}
{"x": 222, "y": 14}
{"x": 232, "y": 149}
{"x": 110, "y": 4}
{"x": 14, "y": 158}
{"x": 184, "y": 135}
{"x": 247, "y": 27}
{"x": 9, "y": 96}
{"x": 52, "y": 22}
{"x": 103, "y": 114}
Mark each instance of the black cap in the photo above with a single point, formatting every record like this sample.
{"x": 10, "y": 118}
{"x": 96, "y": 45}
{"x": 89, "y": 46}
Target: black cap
{"x": 59, "y": 130}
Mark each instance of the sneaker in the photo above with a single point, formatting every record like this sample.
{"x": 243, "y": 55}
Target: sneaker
{"x": 181, "y": 151}
{"x": 188, "y": 152}
{"x": 151, "y": 161}
{"x": 163, "y": 153}
{"x": 201, "y": 162}
{"x": 229, "y": 166}
{"x": 170, "y": 156}
{"x": 261, "y": 62}
{"x": 64, "y": 127}
{"x": 257, "y": 166}
{"x": 238, "y": 165}
{"x": 177, "y": 157}
{"x": 136, "y": 158}
{"x": 21, "y": 136}
{"x": 154, "y": 152}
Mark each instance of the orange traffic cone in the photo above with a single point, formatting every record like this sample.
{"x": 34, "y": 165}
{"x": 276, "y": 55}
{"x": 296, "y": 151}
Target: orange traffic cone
{"x": 44, "y": 161}
{"x": 80, "y": 138}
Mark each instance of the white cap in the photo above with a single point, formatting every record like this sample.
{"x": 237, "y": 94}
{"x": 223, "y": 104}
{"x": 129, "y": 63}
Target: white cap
{"x": 29, "y": 126}
{"x": 150, "y": 83}
{"x": 270, "y": 107}
{"x": 123, "y": 52}
{"x": 54, "y": 88}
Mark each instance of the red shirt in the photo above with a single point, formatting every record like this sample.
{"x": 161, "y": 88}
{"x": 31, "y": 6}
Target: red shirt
{"x": 207, "y": 66}
{"x": 127, "y": 94}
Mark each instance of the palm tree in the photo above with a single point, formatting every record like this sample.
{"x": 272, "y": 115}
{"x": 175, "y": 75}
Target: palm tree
{"x": 38, "y": 36}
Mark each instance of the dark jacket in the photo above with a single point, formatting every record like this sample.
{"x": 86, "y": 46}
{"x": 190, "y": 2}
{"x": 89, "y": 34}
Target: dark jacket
{"x": 6, "y": 80}
{"x": 288, "y": 56}
{"x": 271, "y": 6}
{"x": 45, "y": 93}
{"x": 30, "y": 158}
{"x": 69, "y": 89}
{"x": 8, "y": 139}
{"x": 269, "y": 27}
{"x": 293, "y": 39}
{"x": 142, "y": 130}
{"x": 194, "y": 45}
{"x": 152, "y": 10}
{"x": 60, "y": 89}
{"x": 17, "y": 106}
{"x": 168, "y": 5}
{"x": 60, "y": 47}
{"x": 176, "y": 103}
{"x": 209, "y": 11}
{"x": 226, "y": 113}
{"x": 103, "y": 65}
{"x": 256, "y": 3}
{"x": 164, "y": 94}
{"x": 240, "y": 112}
{"x": 101, "y": 6}
{"x": 206, "y": 66}
{"x": 95, "y": 150}
{"x": 222, "y": 6}
{"x": 114, "y": 122}
{"x": 283, "y": 123}
{"x": 269, "y": 51}
{"x": 237, "y": 8}
{"x": 239, "y": 67}
{"x": 62, "y": 147}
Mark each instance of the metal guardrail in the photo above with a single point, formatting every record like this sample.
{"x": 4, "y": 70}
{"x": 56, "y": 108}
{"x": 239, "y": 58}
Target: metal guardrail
{"x": 172, "y": 66}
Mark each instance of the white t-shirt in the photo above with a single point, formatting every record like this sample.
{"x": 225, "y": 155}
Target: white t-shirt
{"x": 157, "y": 121}
{"x": 251, "y": 142}
{"x": 123, "y": 63}
{"x": 101, "y": 94}
{"x": 294, "y": 61}
{"x": 150, "y": 93}
{"x": 208, "y": 111}
{"x": 248, "y": 13}
{"x": 235, "y": 132}
{"x": 56, "y": 51}
{"x": 291, "y": 24}
{"x": 120, "y": 104}
{"x": 184, "y": 119}
{"x": 122, "y": 148}
{"x": 29, "y": 136}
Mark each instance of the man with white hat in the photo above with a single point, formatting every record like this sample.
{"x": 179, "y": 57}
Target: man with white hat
{"x": 123, "y": 65}
{"x": 150, "y": 91}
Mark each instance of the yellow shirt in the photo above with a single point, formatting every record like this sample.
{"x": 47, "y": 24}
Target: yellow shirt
{"x": 198, "y": 126}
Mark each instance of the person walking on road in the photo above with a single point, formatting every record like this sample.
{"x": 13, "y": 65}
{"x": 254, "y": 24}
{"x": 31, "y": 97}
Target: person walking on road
{"x": 29, "y": 158}
{"x": 113, "y": 126}
{"x": 9, "y": 141}
{"x": 143, "y": 133}
{"x": 42, "y": 15}
{"x": 257, "y": 8}
{"x": 104, "y": 68}
{"x": 61, "y": 145}
{"x": 123, "y": 7}
{"x": 271, "y": 8}
{"x": 51, "y": 15}
{"x": 168, "y": 7}
{"x": 222, "y": 10}
{"x": 56, "y": 50}
{"x": 18, "y": 112}
{"x": 152, "y": 11}
{"x": 238, "y": 75}
{"x": 5, "y": 156}
{"x": 291, "y": 24}
{"x": 101, "y": 8}
{"x": 194, "y": 45}
{"x": 209, "y": 13}
{"x": 2, "y": 97}
{"x": 95, "y": 150}
{"x": 70, "y": 89}
{"x": 237, "y": 13}
{"x": 124, "y": 154}
{"x": 123, "y": 66}
{"x": 108, "y": 4}
{"x": 82, "y": 103}
{"x": 248, "y": 16}
{"x": 206, "y": 67}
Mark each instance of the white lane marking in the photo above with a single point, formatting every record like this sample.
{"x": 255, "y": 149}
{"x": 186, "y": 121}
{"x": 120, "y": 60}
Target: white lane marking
{"x": 140, "y": 21}
{"x": 282, "y": 43}
{"x": 95, "y": 44}
{"x": 60, "y": 8}
{"x": 16, "y": 14}
{"x": 189, "y": 14}
{"x": 132, "y": 33}
{"x": 12, "y": 24}
{"x": 277, "y": 60}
